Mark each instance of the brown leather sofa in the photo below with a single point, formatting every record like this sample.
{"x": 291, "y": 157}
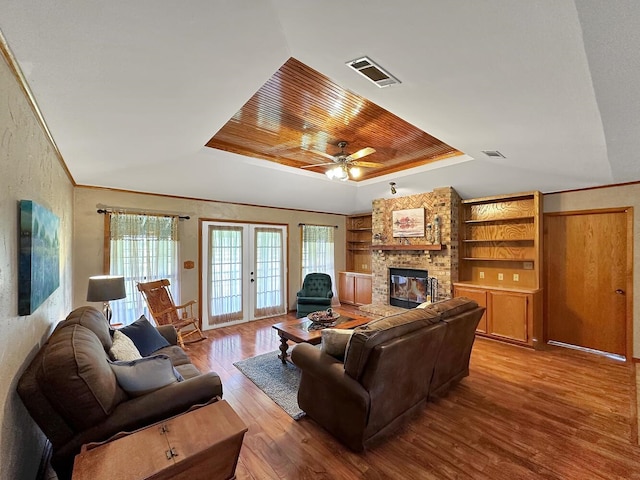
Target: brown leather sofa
{"x": 391, "y": 367}
{"x": 72, "y": 394}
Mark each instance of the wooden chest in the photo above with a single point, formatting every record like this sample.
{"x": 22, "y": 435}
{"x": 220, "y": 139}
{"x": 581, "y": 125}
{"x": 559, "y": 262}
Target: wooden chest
{"x": 200, "y": 444}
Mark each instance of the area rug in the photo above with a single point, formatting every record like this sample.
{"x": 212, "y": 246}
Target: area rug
{"x": 280, "y": 382}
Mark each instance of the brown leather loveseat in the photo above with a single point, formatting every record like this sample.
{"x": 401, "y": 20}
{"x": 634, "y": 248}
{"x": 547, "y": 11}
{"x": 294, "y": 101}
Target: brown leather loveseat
{"x": 71, "y": 391}
{"x": 391, "y": 367}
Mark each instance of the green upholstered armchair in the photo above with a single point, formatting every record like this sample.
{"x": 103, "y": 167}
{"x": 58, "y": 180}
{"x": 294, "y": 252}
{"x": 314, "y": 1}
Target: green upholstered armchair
{"x": 315, "y": 294}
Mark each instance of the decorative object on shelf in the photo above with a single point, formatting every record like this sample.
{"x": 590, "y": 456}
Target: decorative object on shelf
{"x": 103, "y": 288}
{"x": 437, "y": 234}
{"x": 380, "y": 236}
{"x": 430, "y": 237}
{"x": 39, "y": 256}
{"x": 408, "y": 223}
{"x": 393, "y": 188}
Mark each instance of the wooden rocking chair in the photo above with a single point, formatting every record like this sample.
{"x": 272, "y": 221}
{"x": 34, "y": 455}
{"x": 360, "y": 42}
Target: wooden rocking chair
{"x": 165, "y": 312}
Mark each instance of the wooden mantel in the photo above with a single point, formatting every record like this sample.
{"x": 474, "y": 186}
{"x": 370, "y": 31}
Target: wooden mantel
{"x": 406, "y": 247}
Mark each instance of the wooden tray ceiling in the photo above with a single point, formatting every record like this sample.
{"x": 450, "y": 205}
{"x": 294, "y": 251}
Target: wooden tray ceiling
{"x": 299, "y": 110}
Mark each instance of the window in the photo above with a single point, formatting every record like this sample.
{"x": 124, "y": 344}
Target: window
{"x": 318, "y": 252}
{"x": 142, "y": 248}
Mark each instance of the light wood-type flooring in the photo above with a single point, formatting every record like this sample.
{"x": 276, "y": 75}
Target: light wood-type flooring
{"x": 520, "y": 414}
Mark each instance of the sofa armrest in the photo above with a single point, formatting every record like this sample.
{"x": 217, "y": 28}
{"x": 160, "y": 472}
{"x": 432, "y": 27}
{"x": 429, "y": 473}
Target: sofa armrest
{"x": 331, "y": 397}
{"x": 328, "y": 370}
{"x": 148, "y": 409}
{"x": 169, "y": 332}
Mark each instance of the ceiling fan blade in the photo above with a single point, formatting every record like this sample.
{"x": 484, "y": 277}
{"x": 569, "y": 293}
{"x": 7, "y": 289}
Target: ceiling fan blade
{"x": 363, "y": 152}
{"x": 318, "y": 165}
{"x": 322, "y": 154}
{"x": 368, "y": 164}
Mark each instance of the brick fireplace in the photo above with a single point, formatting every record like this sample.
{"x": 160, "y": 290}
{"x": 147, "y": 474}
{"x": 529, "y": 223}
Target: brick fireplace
{"x": 441, "y": 207}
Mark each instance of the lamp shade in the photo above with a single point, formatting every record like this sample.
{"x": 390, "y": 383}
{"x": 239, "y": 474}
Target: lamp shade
{"x": 103, "y": 288}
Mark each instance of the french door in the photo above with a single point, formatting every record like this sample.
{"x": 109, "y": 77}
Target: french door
{"x": 243, "y": 272}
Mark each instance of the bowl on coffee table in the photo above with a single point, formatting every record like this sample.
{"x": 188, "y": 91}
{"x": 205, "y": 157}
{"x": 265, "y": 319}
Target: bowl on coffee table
{"x": 323, "y": 317}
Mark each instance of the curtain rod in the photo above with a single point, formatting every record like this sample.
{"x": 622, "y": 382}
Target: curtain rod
{"x": 304, "y": 225}
{"x": 138, "y": 212}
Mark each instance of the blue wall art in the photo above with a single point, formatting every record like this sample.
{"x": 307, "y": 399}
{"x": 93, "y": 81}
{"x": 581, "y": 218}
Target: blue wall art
{"x": 39, "y": 262}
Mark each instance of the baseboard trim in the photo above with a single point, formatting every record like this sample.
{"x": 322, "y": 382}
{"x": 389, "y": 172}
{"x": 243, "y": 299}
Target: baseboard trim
{"x": 612, "y": 356}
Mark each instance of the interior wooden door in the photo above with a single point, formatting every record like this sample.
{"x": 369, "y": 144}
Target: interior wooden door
{"x": 588, "y": 278}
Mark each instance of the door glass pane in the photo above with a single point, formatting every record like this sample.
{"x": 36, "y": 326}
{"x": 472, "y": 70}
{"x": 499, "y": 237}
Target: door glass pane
{"x": 269, "y": 272}
{"x": 225, "y": 273}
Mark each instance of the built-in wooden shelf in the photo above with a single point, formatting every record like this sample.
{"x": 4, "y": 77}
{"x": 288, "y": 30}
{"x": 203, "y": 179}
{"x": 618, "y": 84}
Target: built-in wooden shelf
{"x": 499, "y": 259}
{"x": 500, "y": 265}
{"x": 489, "y": 240}
{"x": 358, "y": 243}
{"x": 406, "y": 247}
{"x": 497, "y": 219}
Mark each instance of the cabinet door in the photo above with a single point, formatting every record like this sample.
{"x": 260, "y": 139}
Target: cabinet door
{"x": 362, "y": 289}
{"x": 346, "y": 287}
{"x": 480, "y": 297}
{"x": 509, "y": 315}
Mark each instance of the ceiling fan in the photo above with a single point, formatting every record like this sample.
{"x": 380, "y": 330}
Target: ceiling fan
{"x": 346, "y": 165}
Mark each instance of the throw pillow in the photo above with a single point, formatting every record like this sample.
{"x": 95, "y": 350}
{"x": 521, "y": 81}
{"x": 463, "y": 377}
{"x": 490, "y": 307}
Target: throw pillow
{"x": 145, "y": 336}
{"x": 145, "y": 375}
{"x": 123, "y": 348}
{"x": 335, "y": 341}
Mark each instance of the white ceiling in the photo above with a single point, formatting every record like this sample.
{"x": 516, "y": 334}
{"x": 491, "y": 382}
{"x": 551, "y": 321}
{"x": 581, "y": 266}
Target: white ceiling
{"x": 131, "y": 91}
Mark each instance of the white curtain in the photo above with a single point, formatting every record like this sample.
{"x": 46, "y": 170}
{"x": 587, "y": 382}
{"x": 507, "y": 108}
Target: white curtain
{"x": 269, "y": 276}
{"x": 318, "y": 253}
{"x": 143, "y": 248}
{"x": 225, "y": 274}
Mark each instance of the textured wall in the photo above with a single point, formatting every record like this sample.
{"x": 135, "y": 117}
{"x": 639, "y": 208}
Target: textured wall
{"x": 89, "y": 230}
{"x": 29, "y": 170}
{"x": 443, "y": 264}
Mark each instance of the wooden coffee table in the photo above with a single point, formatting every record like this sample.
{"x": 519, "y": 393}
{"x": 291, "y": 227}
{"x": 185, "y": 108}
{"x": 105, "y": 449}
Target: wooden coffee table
{"x": 303, "y": 330}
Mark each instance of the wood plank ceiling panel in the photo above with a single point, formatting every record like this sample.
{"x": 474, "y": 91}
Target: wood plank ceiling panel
{"x": 300, "y": 116}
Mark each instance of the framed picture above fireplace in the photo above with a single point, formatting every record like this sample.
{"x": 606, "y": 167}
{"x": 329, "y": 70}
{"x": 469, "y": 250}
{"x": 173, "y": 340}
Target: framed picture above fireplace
{"x": 408, "y": 223}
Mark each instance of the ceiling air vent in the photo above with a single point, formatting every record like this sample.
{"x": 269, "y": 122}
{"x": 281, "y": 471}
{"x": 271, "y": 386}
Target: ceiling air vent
{"x": 493, "y": 154}
{"x": 378, "y": 75}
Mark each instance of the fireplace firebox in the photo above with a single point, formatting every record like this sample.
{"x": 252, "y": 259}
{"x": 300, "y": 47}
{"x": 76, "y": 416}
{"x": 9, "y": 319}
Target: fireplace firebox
{"x": 410, "y": 287}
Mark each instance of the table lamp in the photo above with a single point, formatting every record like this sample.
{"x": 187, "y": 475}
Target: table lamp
{"x": 103, "y": 288}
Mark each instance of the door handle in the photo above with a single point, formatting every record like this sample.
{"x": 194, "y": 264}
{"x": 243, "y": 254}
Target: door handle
{"x": 620, "y": 292}
{"x": 252, "y": 280}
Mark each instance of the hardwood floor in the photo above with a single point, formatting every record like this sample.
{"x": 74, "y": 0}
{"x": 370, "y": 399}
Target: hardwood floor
{"x": 520, "y": 414}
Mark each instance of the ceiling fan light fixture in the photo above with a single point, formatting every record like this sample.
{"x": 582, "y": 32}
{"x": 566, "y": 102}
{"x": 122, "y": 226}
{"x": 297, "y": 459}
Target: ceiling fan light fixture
{"x": 355, "y": 172}
{"x": 338, "y": 173}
